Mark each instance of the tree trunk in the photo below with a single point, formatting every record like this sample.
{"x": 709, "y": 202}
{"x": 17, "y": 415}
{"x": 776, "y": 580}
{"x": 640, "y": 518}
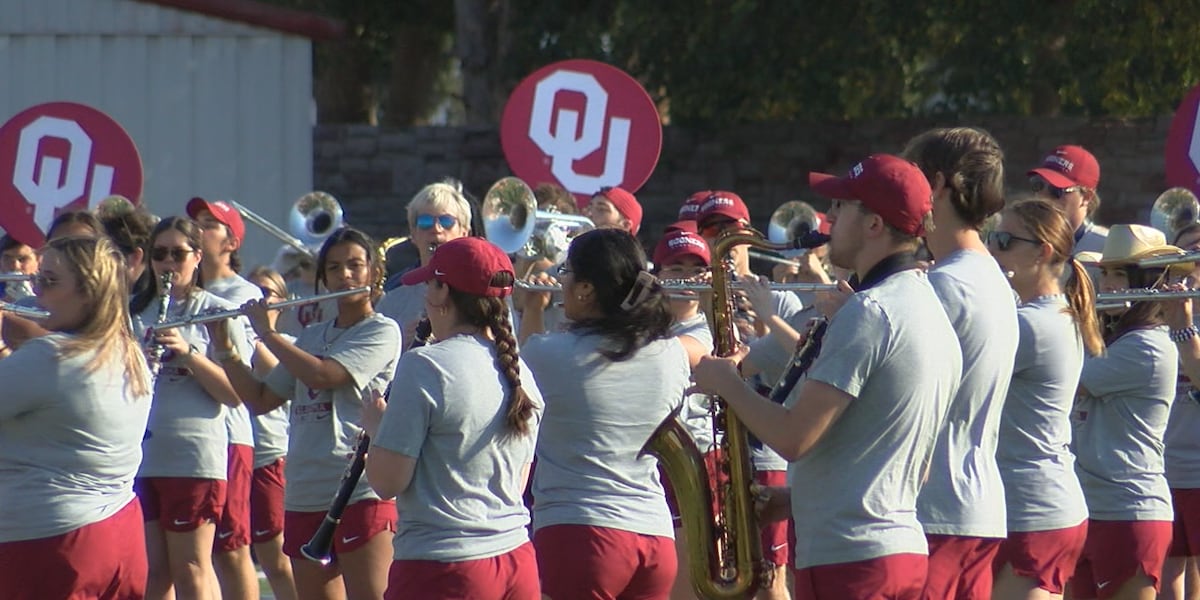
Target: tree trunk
{"x": 475, "y": 24}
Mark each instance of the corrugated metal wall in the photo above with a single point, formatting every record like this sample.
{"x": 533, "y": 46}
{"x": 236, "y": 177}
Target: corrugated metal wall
{"x": 216, "y": 108}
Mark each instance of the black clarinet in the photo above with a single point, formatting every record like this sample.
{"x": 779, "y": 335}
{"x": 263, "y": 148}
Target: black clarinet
{"x": 320, "y": 547}
{"x": 803, "y": 358}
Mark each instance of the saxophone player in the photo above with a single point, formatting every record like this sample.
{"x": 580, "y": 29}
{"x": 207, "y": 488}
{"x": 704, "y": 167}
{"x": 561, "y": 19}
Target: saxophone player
{"x": 860, "y": 429}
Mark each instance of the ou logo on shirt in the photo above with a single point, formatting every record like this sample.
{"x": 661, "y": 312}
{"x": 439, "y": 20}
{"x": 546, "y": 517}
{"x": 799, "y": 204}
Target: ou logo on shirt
{"x": 582, "y": 124}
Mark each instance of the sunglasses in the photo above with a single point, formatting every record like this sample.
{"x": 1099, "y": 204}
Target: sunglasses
{"x": 160, "y": 253}
{"x": 1038, "y": 186}
{"x": 427, "y": 221}
{"x": 1003, "y": 239}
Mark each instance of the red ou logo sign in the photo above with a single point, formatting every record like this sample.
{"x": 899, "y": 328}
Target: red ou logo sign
{"x": 582, "y": 124}
{"x": 1183, "y": 144}
{"x": 58, "y": 157}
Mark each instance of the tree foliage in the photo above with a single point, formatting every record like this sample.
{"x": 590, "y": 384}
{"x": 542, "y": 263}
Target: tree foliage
{"x": 714, "y": 62}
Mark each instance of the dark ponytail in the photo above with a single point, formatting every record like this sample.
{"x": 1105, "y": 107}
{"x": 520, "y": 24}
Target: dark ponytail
{"x": 492, "y": 312}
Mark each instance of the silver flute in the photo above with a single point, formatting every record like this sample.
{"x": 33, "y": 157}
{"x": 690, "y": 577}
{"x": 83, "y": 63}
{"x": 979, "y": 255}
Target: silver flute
{"x": 201, "y": 318}
{"x": 33, "y": 314}
{"x": 674, "y": 285}
{"x": 1123, "y": 298}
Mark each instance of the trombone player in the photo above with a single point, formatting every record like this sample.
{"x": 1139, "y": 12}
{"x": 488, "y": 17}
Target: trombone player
{"x": 888, "y": 370}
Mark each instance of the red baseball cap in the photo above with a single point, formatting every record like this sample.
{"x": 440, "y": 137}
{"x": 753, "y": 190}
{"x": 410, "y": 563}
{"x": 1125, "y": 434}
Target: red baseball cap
{"x": 691, "y": 206}
{"x": 890, "y": 186}
{"x": 222, "y": 212}
{"x": 677, "y": 244}
{"x": 626, "y": 204}
{"x": 467, "y": 265}
{"x": 722, "y": 204}
{"x": 1069, "y": 166}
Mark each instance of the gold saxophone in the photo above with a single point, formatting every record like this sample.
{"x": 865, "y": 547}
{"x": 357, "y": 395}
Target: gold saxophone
{"x": 723, "y": 536}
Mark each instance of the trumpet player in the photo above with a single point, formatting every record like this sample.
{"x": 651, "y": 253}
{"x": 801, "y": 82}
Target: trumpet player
{"x": 616, "y": 208}
{"x": 222, "y": 234}
{"x": 860, "y": 429}
{"x": 961, "y": 505}
{"x": 17, "y": 258}
{"x": 1119, "y": 421}
{"x": 327, "y": 373}
{"x": 1069, "y": 177}
{"x": 438, "y": 213}
{"x": 182, "y": 480}
{"x": 75, "y": 407}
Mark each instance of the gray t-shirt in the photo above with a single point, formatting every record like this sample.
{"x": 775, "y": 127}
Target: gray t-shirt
{"x": 271, "y": 430}
{"x": 465, "y": 500}
{"x": 1119, "y": 427}
{"x": 695, "y": 414}
{"x": 772, "y": 359}
{"x": 406, "y": 306}
{"x": 187, "y": 436}
{"x": 964, "y": 494}
{"x": 854, "y": 494}
{"x": 324, "y": 424}
{"x": 1183, "y": 442}
{"x": 1034, "y": 455}
{"x": 70, "y": 440}
{"x": 237, "y": 290}
{"x": 599, "y": 413}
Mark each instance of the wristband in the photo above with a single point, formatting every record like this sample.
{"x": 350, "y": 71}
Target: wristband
{"x": 1183, "y": 335}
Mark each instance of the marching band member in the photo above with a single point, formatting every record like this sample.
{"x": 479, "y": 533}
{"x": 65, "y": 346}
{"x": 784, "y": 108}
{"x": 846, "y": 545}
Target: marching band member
{"x": 19, "y": 258}
{"x": 1119, "y": 422}
{"x": 75, "y": 407}
{"x": 438, "y": 213}
{"x": 130, "y": 231}
{"x": 455, "y": 443}
{"x": 684, "y": 256}
{"x": 1182, "y": 455}
{"x": 1047, "y": 514}
{"x": 270, "y": 456}
{"x": 181, "y": 483}
{"x": 601, "y": 524}
{"x": 1068, "y": 177}
{"x": 614, "y": 207}
{"x": 223, "y": 232}
{"x": 326, "y": 373}
{"x": 961, "y": 505}
{"x": 74, "y": 223}
{"x": 860, "y": 429}
{"x": 720, "y": 212}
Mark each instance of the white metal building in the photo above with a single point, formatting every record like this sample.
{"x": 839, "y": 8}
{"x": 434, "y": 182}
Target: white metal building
{"x": 216, "y": 94}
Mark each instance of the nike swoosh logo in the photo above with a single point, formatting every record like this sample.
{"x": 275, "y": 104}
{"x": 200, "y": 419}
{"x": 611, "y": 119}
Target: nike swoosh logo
{"x": 224, "y": 535}
{"x": 258, "y": 533}
{"x": 346, "y": 540}
{"x": 1101, "y": 584}
{"x": 778, "y": 546}
{"x": 183, "y": 522}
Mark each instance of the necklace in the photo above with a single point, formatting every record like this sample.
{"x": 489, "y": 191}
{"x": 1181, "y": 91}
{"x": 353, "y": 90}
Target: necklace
{"x": 328, "y": 343}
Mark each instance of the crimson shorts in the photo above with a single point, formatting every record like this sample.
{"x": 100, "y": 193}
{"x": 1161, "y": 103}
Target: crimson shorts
{"x": 361, "y": 521}
{"x": 105, "y": 560}
{"x": 1115, "y": 551}
{"x": 1047, "y": 557}
{"x": 509, "y": 576}
{"x": 233, "y": 530}
{"x": 960, "y": 567}
{"x": 775, "y": 540}
{"x": 1185, "y": 537}
{"x": 266, "y": 502}
{"x": 893, "y": 577}
{"x": 584, "y": 562}
{"x": 180, "y": 503}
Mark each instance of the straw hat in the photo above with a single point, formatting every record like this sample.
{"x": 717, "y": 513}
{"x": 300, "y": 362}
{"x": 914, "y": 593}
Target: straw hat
{"x": 1127, "y": 244}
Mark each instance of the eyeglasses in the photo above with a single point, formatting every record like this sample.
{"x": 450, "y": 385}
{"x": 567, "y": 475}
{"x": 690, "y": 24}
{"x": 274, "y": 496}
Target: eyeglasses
{"x": 160, "y": 253}
{"x": 269, "y": 293}
{"x": 426, "y": 221}
{"x": 1003, "y": 239}
{"x": 1039, "y": 185}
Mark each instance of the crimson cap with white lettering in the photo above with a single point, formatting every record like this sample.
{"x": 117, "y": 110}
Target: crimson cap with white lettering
{"x": 466, "y": 264}
{"x": 1069, "y": 166}
{"x": 888, "y": 185}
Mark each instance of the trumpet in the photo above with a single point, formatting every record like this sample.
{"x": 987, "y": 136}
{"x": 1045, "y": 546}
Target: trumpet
{"x": 201, "y": 318}
{"x": 511, "y": 221}
{"x": 33, "y": 314}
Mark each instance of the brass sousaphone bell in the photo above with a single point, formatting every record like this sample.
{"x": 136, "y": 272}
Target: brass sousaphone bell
{"x": 1174, "y": 210}
{"x": 513, "y": 223}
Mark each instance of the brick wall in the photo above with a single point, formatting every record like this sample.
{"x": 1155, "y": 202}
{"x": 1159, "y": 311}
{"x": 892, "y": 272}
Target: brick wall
{"x": 374, "y": 172}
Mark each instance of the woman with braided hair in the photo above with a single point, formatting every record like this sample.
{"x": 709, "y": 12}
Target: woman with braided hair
{"x": 455, "y": 442}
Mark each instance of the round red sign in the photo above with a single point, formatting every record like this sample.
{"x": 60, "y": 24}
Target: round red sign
{"x": 61, "y": 156}
{"x": 582, "y": 124}
{"x": 1183, "y": 145}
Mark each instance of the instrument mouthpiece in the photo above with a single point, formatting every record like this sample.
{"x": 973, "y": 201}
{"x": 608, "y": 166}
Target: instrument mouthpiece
{"x": 812, "y": 239}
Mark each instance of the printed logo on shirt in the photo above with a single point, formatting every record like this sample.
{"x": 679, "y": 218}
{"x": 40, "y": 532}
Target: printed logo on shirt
{"x": 309, "y": 314}
{"x": 308, "y": 413}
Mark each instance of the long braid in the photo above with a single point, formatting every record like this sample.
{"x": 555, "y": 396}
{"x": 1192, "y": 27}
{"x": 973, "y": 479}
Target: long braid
{"x": 520, "y": 406}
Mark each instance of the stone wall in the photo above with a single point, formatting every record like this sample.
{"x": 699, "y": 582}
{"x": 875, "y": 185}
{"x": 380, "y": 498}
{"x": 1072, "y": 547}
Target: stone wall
{"x": 374, "y": 172}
